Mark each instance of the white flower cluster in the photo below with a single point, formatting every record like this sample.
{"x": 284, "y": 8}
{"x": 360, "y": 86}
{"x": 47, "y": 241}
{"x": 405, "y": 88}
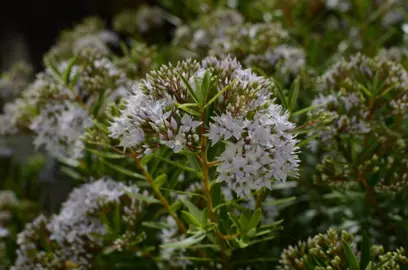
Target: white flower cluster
{"x": 341, "y": 96}
{"x": 139, "y": 22}
{"x": 29, "y": 252}
{"x": 260, "y": 145}
{"x": 89, "y": 34}
{"x": 58, "y": 112}
{"x": 11, "y": 117}
{"x": 8, "y": 201}
{"x": 59, "y": 128}
{"x": 144, "y": 114}
{"x": 202, "y": 32}
{"x": 396, "y": 54}
{"x": 77, "y": 228}
{"x": 263, "y": 45}
{"x": 258, "y": 149}
{"x": 340, "y": 5}
{"x": 15, "y": 80}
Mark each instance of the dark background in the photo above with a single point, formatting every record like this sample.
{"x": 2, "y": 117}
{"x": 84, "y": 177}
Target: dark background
{"x": 28, "y": 28}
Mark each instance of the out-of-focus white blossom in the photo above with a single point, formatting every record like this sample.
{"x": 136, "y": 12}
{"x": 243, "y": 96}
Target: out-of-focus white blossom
{"x": 59, "y": 128}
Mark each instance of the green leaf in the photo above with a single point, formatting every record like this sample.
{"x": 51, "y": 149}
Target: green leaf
{"x": 106, "y": 154}
{"x": 226, "y": 88}
{"x": 243, "y": 242}
{"x": 189, "y": 88}
{"x": 176, "y": 164}
{"x": 190, "y": 219}
{"x": 157, "y": 225}
{"x": 351, "y": 257}
{"x": 99, "y": 103}
{"x": 243, "y": 221}
{"x": 280, "y": 93}
{"x": 234, "y": 220}
{"x": 369, "y": 266}
{"x": 365, "y": 90}
{"x": 251, "y": 232}
{"x": 185, "y": 242}
{"x": 67, "y": 71}
{"x": 204, "y": 216}
{"x": 205, "y": 85}
{"x": 365, "y": 251}
{"x": 176, "y": 206}
{"x": 185, "y": 193}
{"x": 294, "y": 94}
{"x": 305, "y": 110}
{"x": 99, "y": 125}
{"x": 143, "y": 198}
{"x": 255, "y": 219}
{"x": 192, "y": 209}
{"x": 146, "y": 159}
{"x": 188, "y": 110}
{"x": 71, "y": 173}
{"x": 122, "y": 170}
{"x": 160, "y": 180}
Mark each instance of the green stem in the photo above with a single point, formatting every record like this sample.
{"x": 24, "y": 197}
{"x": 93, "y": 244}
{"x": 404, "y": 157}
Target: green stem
{"x": 159, "y": 195}
{"x": 207, "y": 192}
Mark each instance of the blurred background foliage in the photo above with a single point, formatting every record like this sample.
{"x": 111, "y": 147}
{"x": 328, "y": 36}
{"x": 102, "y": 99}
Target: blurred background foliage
{"x": 41, "y": 183}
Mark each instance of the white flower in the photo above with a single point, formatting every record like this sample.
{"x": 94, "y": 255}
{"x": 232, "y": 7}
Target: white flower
{"x": 59, "y": 128}
{"x": 261, "y": 152}
{"x": 3, "y": 232}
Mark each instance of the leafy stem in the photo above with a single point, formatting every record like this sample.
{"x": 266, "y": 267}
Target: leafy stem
{"x": 158, "y": 194}
{"x": 207, "y": 192}
{"x": 156, "y": 189}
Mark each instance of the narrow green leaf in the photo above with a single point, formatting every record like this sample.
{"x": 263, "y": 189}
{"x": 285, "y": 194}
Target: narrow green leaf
{"x": 294, "y": 94}
{"x": 204, "y": 217}
{"x": 369, "y": 266}
{"x": 176, "y": 206}
{"x": 99, "y": 125}
{"x": 191, "y": 194}
{"x": 386, "y": 91}
{"x": 205, "y": 85}
{"x": 226, "y": 88}
{"x": 185, "y": 242}
{"x": 351, "y": 257}
{"x": 98, "y": 104}
{"x": 280, "y": 94}
{"x": 365, "y": 251}
{"x": 160, "y": 180}
{"x": 188, "y": 86}
{"x": 305, "y": 110}
{"x": 157, "y": 225}
{"x": 175, "y": 164}
{"x": 143, "y": 198}
{"x": 192, "y": 209}
{"x": 243, "y": 221}
{"x": 67, "y": 71}
{"x": 263, "y": 239}
{"x": 255, "y": 219}
{"x": 234, "y": 220}
{"x": 243, "y": 242}
{"x": 71, "y": 173}
{"x": 190, "y": 219}
{"x": 122, "y": 170}
{"x": 146, "y": 159}
{"x": 365, "y": 90}
{"x": 308, "y": 140}
{"x": 106, "y": 154}
{"x": 188, "y": 110}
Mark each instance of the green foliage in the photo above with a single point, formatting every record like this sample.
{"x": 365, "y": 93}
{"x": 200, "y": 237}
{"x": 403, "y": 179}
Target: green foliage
{"x": 339, "y": 70}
